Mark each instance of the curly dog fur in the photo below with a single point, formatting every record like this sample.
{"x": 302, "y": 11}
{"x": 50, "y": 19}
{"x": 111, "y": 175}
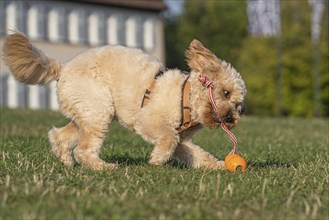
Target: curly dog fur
{"x": 109, "y": 82}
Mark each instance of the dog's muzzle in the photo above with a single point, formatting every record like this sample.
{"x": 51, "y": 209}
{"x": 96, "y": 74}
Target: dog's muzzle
{"x": 229, "y": 118}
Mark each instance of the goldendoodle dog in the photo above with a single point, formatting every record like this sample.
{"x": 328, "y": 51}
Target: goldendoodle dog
{"x": 165, "y": 106}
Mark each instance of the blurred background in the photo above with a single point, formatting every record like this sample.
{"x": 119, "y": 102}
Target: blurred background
{"x": 279, "y": 47}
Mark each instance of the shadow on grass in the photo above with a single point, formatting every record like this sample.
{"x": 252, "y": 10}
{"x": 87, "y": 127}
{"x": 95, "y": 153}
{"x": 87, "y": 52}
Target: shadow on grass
{"x": 272, "y": 164}
{"x": 126, "y": 160}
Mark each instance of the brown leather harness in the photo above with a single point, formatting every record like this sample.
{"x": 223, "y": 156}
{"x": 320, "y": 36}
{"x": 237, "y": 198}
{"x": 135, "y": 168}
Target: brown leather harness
{"x": 186, "y": 121}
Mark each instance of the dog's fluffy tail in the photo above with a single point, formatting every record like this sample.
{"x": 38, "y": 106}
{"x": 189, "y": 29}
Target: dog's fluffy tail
{"x": 28, "y": 64}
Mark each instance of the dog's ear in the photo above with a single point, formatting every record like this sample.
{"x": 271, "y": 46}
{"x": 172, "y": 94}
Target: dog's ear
{"x": 202, "y": 60}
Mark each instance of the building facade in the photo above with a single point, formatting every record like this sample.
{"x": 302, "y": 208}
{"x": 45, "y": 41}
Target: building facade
{"x": 63, "y": 29}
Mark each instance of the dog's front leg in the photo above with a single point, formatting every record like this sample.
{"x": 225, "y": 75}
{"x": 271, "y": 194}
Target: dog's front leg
{"x": 164, "y": 148}
{"x": 164, "y": 138}
{"x": 194, "y": 156}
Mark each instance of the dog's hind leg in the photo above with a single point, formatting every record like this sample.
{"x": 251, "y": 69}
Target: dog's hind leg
{"x": 194, "y": 156}
{"x": 63, "y": 140}
{"x": 88, "y": 149}
{"x": 86, "y": 99}
{"x": 93, "y": 125}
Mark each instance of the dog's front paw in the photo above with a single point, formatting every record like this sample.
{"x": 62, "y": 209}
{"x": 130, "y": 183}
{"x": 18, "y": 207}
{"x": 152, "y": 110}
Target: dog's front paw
{"x": 159, "y": 157}
{"x": 110, "y": 166}
{"x": 101, "y": 166}
{"x": 215, "y": 165}
{"x": 209, "y": 164}
{"x": 156, "y": 161}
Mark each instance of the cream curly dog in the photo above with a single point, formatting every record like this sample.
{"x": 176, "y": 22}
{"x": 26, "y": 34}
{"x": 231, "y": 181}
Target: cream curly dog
{"x": 109, "y": 83}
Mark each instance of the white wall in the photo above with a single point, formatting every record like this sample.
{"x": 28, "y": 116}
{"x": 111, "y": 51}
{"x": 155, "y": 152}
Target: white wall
{"x": 63, "y": 30}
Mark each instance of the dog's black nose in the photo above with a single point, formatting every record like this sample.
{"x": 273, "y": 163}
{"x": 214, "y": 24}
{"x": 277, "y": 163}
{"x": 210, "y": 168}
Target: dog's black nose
{"x": 229, "y": 118}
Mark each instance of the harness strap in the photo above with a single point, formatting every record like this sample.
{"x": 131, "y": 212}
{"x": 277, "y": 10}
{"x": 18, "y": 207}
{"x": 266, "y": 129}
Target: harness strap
{"x": 186, "y": 121}
{"x": 148, "y": 91}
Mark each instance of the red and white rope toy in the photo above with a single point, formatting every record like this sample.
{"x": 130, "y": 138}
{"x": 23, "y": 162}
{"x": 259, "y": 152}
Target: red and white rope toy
{"x": 209, "y": 85}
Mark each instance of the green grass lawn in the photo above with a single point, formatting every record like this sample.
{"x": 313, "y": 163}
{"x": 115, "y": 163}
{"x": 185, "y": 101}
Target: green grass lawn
{"x": 287, "y": 176}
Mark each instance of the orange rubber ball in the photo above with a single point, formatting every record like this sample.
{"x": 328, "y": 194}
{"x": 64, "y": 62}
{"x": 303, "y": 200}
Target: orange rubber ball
{"x": 234, "y": 162}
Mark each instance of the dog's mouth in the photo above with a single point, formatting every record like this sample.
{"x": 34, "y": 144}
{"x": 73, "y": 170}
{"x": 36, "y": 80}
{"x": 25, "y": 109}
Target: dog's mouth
{"x": 213, "y": 119}
{"x": 229, "y": 120}
{"x": 231, "y": 125}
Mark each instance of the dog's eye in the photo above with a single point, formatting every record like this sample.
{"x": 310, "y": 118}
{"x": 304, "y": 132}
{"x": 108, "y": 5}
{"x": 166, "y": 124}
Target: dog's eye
{"x": 226, "y": 93}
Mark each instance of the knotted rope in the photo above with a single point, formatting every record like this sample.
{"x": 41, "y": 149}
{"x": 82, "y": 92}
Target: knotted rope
{"x": 231, "y": 136}
{"x": 210, "y": 85}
